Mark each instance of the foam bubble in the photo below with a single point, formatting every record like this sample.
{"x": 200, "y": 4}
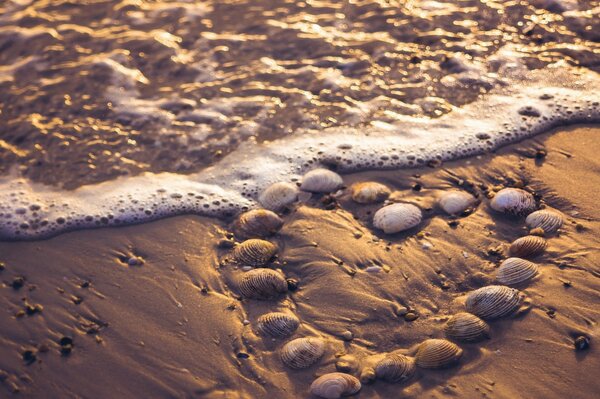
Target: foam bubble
{"x": 525, "y": 105}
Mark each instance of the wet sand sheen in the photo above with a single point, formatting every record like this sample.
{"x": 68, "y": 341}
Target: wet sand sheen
{"x": 174, "y": 326}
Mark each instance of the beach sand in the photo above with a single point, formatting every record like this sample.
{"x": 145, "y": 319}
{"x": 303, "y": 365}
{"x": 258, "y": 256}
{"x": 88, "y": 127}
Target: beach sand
{"x": 174, "y": 325}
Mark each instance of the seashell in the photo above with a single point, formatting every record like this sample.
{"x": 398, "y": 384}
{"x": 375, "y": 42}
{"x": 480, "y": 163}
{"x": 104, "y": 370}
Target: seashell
{"x": 466, "y": 327}
{"x": 321, "y": 181}
{"x": 262, "y": 284}
{"x": 528, "y": 246}
{"x": 369, "y": 192}
{"x": 257, "y": 223}
{"x": 513, "y": 201}
{"x": 493, "y": 301}
{"x": 277, "y": 324}
{"x": 513, "y": 271}
{"x": 254, "y": 252}
{"x": 335, "y": 385}
{"x": 301, "y": 353}
{"x": 456, "y": 202}
{"x": 549, "y": 221}
{"x": 367, "y": 375}
{"x": 437, "y": 353}
{"x": 278, "y": 195}
{"x": 395, "y": 368}
{"x": 397, "y": 217}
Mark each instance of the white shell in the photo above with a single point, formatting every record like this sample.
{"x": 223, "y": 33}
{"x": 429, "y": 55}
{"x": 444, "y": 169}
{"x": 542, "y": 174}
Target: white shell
{"x": 397, "y": 217}
{"x": 456, "y": 202}
{"x": 257, "y": 223}
{"x": 301, "y": 353}
{"x": 321, "y": 181}
{"x": 278, "y": 195}
{"x": 549, "y": 221}
{"x": 493, "y": 301}
{"x": 335, "y": 385}
{"x": 437, "y": 353}
{"x": 369, "y": 192}
{"x": 513, "y": 271}
{"x": 513, "y": 201}
{"x": 466, "y": 327}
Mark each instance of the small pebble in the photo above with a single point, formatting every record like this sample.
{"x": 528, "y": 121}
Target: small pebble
{"x": 292, "y": 284}
{"x": 538, "y": 231}
{"x": 135, "y": 261}
{"x": 347, "y": 335}
{"x": 18, "y": 282}
{"x": 373, "y": 269}
{"x": 411, "y": 316}
{"x": 246, "y": 322}
{"x": 242, "y": 355}
{"x": 66, "y": 345}
{"x": 2, "y": 266}
{"x": 29, "y": 356}
{"x": 582, "y": 343}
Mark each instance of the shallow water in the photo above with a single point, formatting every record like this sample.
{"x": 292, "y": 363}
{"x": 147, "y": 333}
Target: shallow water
{"x": 233, "y": 95}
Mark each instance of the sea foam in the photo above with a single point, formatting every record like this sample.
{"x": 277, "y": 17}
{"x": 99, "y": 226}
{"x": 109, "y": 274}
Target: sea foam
{"x": 523, "y": 105}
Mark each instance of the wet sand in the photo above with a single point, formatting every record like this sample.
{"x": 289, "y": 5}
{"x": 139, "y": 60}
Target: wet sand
{"x": 174, "y": 325}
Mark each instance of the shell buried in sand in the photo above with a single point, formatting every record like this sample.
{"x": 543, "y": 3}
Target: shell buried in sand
{"x": 369, "y": 192}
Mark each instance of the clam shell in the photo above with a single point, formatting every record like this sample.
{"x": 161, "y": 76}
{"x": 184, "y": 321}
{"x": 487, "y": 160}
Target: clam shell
{"x": 493, "y": 301}
{"x": 397, "y": 217}
{"x": 278, "y": 196}
{"x": 277, "y": 324}
{"x": 301, "y": 353}
{"x": 395, "y": 368}
{"x": 335, "y": 385}
{"x": 437, "y": 353}
{"x": 549, "y": 221}
{"x": 528, "y": 246}
{"x": 466, "y": 327}
{"x": 513, "y": 201}
{"x": 257, "y": 223}
{"x": 369, "y": 192}
{"x": 254, "y": 252}
{"x": 456, "y": 202}
{"x": 513, "y": 271}
{"x": 262, "y": 284}
{"x": 321, "y": 181}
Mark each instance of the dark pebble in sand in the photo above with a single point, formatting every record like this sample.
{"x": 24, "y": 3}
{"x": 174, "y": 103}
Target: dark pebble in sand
{"x": 417, "y": 187}
{"x": 135, "y": 261}
{"x": 85, "y": 284}
{"x": 292, "y": 284}
{"x": 411, "y": 316}
{"x": 18, "y": 283}
{"x": 66, "y": 345}
{"x": 453, "y": 223}
{"x": 29, "y": 356}
{"x": 2, "y": 266}
{"x": 76, "y": 299}
{"x": 33, "y": 309}
{"x": 540, "y": 154}
{"x": 582, "y": 343}
{"x": 242, "y": 355}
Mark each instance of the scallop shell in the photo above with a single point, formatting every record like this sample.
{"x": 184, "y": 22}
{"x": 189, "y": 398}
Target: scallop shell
{"x": 513, "y": 271}
{"x": 254, "y": 252}
{"x": 528, "y": 246}
{"x": 493, "y": 301}
{"x": 277, "y": 324}
{"x": 513, "y": 201}
{"x": 395, "y": 368}
{"x": 397, "y": 217}
{"x": 456, "y": 202}
{"x": 262, "y": 284}
{"x": 301, "y": 353}
{"x": 335, "y": 385}
{"x": 466, "y": 327}
{"x": 369, "y": 192}
{"x": 321, "y": 181}
{"x": 257, "y": 223}
{"x": 278, "y": 195}
{"x": 549, "y": 221}
{"x": 437, "y": 353}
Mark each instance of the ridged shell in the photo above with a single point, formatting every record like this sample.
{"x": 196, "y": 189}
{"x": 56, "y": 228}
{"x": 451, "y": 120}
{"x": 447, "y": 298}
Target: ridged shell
{"x": 395, "y": 368}
{"x": 335, "y": 385}
{"x": 301, "y": 353}
{"x": 545, "y": 219}
{"x": 262, "y": 284}
{"x": 397, "y": 217}
{"x": 513, "y": 201}
{"x": 528, "y": 246}
{"x": 456, "y": 202}
{"x": 466, "y": 327}
{"x": 369, "y": 192}
{"x": 277, "y": 324}
{"x": 513, "y": 271}
{"x": 321, "y": 181}
{"x": 437, "y": 353}
{"x": 493, "y": 301}
{"x": 278, "y": 195}
{"x": 254, "y": 252}
{"x": 257, "y": 223}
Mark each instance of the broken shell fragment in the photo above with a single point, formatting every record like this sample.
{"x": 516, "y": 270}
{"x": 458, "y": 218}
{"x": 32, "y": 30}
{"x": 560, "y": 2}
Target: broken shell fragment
{"x": 335, "y": 385}
{"x": 301, "y": 353}
{"x": 493, "y": 301}
{"x": 513, "y": 201}
{"x": 437, "y": 353}
{"x": 395, "y": 368}
{"x": 397, "y": 217}
{"x": 262, "y": 284}
{"x": 549, "y": 221}
{"x": 277, "y": 324}
{"x": 257, "y": 223}
{"x": 369, "y": 192}
{"x": 321, "y": 181}
{"x": 513, "y": 271}
{"x": 466, "y": 327}
{"x": 278, "y": 196}
{"x": 254, "y": 252}
{"x": 528, "y": 246}
{"x": 456, "y": 202}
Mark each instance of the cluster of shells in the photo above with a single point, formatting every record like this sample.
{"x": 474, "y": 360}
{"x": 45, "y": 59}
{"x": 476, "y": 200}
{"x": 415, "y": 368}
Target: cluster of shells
{"x": 258, "y": 282}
